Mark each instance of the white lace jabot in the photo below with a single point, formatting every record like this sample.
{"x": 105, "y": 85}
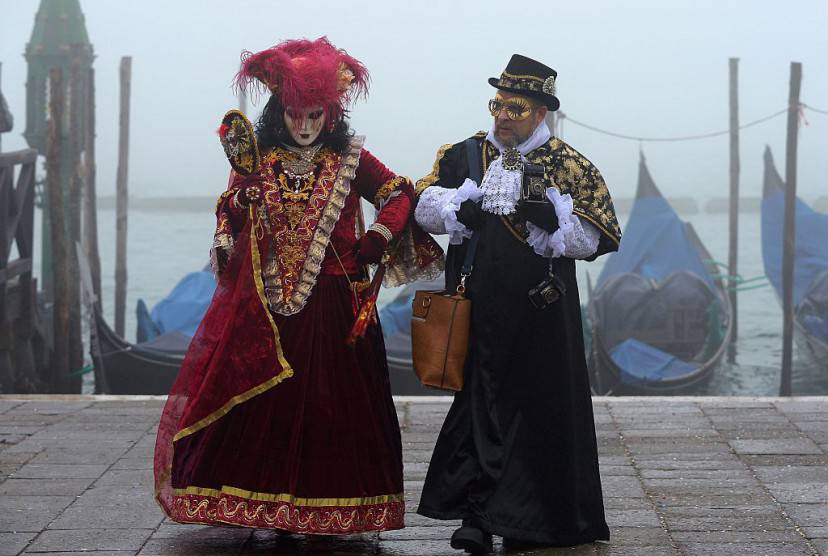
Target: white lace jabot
{"x": 501, "y": 187}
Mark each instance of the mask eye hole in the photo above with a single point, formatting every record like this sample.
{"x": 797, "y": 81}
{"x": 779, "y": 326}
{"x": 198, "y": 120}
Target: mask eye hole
{"x": 315, "y": 115}
{"x": 495, "y": 106}
{"x": 517, "y": 110}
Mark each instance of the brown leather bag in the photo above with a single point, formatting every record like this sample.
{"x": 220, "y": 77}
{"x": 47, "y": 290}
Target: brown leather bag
{"x": 440, "y": 325}
{"x": 440, "y": 320}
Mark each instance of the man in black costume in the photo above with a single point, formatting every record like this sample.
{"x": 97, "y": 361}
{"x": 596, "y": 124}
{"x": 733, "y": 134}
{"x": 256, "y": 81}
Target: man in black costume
{"x": 517, "y": 454}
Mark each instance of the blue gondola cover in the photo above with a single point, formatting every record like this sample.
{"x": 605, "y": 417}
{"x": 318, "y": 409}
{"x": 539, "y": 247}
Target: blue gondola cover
{"x": 181, "y": 311}
{"x": 644, "y": 363}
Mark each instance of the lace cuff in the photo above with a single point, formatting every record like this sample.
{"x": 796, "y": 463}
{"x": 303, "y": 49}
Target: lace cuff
{"x": 427, "y": 212}
{"x": 437, "y": 208}
{"x": 575, "y": 237}
{"x": 456, "y": 230}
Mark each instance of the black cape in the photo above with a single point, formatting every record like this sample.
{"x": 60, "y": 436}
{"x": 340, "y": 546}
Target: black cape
{"x": 517, "y": 453}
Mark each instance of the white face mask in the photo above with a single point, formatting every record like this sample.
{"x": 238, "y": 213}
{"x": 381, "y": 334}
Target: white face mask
{"x": 306, "y": 129}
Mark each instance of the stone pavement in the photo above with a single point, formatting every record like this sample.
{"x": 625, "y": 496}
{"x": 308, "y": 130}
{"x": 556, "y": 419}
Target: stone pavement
{"x": 680, "y": 475}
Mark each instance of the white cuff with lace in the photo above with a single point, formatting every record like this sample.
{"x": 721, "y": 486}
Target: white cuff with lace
{"x": 437, "y": 208}
{"x": 575, "y": 237}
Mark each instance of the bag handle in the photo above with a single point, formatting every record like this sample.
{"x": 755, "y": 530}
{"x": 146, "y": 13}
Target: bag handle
{"x": 475, "y": 163}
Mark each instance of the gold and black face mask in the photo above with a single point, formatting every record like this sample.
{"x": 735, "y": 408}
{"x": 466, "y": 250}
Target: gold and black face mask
{"x": 517, "y": 108}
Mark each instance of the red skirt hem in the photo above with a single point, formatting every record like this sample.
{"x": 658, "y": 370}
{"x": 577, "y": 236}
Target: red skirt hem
{"x": 313, "y": 520}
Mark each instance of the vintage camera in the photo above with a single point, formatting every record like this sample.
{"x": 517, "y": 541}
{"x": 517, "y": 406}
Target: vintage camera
{"x": 533, "y": 185}
{"x": 547, "y": 292}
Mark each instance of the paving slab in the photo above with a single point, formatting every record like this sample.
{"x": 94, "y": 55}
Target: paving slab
{"x": 799, "y": 446}
{"x": 84, "y": 553}
{"x": 90, "y": 539}
{"x": 680, "y": 476}
{"x": 60, "y": 471}
{"x": 44, "y": 487}
{"x": 744, "y": 549}
{"x": 15, "y": 543}
{"x": 808, "y": 514}
{"x": 111, "y": 507}
{"x": 799, "y": 493}
{"x": 30, "y": 513}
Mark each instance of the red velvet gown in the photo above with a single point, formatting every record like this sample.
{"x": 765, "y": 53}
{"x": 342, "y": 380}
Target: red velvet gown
{"x": 274, "y": 421}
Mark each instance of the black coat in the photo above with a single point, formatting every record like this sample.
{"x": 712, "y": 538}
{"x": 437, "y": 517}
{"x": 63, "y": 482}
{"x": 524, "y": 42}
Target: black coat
{"x": 517, "y": 453}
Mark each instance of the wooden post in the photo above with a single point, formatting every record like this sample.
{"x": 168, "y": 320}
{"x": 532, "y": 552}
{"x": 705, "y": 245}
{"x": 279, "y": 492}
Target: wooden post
{"x": 60, "y": 267}
{"x": 90, "y": 220}
{"x": 122, "y": 197}
{"x": 789, "y": 242}
{"x": 243, "y": 102}
{"x": 7, "y": 370}
{"x": 24, "y": 357}
{"x": 90, "y": 203}
{"x": 1, "y": 89}
{"x": 76, "y": 107}
{"x": 733, "y": 251}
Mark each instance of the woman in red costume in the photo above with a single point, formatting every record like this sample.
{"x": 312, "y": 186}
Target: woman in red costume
{"x": 274, "y": 420}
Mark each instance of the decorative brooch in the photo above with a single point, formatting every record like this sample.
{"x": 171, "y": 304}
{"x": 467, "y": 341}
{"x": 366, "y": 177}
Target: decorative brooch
{"x": 302, "y": 167}
{"x": 549, "y": 85}
{"x": 511, "y": 159}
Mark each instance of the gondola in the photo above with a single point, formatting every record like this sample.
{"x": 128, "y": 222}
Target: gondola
{"x": 810, "y": 292}
{"x": 122, "y": 367}
{"x": 136, "y": 368}
{"x": 660, "y": 316}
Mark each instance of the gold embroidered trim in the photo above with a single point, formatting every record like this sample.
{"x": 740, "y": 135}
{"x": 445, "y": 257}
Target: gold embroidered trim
{"x": 515, "y": 76}
{"x": 387, "y": 189}
{"x": 321, "y": 236}
{"x": 229, "y": 193}
{"x": 286, "y": 371}
{"x": 224, "y": 241}
{"x": 597, "y": 224}
{"x": 573, "y": 173}
{"x": 288, "y": 498}
{"x": 405, "y": 266}
{"x": 326, "y": 520}
{"x": 431, "y": 178}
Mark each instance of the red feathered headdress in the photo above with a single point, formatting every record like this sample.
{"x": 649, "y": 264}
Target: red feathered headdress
{"x": 306, "y": 74}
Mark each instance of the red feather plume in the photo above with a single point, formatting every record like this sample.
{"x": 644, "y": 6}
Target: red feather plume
{"x": 305, "y": 74}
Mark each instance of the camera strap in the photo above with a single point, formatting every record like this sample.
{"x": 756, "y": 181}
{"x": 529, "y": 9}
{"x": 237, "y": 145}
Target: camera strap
{"x": 475, "y": 162}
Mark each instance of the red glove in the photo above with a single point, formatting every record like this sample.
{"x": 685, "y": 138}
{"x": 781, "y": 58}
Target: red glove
{"x": 370, "y": 248}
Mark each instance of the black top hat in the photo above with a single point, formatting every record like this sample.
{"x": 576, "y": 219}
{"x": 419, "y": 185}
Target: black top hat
{"x": 528, "y": 77}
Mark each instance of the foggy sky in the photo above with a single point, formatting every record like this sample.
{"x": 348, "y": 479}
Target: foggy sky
{"x": 655, "y": 68}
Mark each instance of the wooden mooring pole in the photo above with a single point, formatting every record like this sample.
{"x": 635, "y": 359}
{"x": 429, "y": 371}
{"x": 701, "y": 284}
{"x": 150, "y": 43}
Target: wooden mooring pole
{"x": 59, "y": 379}
{"x": 90, "y": 203}
{"x": 789, "y": 242}
{"x": 73, "y": 200}
{"x": 243, "y": 102}
{"x": 1, "y": 89}
{"x": 733, "y": 251}
{"x": 122, "y": 198}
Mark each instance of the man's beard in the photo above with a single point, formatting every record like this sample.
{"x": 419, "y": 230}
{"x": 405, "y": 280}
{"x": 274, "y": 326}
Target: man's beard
{"x": 511, "y": 141}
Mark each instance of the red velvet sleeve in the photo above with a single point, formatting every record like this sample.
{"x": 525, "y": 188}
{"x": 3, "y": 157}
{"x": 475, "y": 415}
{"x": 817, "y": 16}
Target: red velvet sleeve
{"x": 390, "y": 193}
{"x": 230, "y": 216}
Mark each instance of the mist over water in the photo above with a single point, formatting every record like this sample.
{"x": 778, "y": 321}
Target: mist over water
{"x": 648, "y": 68}
{"x": 164, "y": 246}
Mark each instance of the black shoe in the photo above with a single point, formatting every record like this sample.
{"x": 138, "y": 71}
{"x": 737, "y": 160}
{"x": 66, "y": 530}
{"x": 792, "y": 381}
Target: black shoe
{"x": 472, "y": 540}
